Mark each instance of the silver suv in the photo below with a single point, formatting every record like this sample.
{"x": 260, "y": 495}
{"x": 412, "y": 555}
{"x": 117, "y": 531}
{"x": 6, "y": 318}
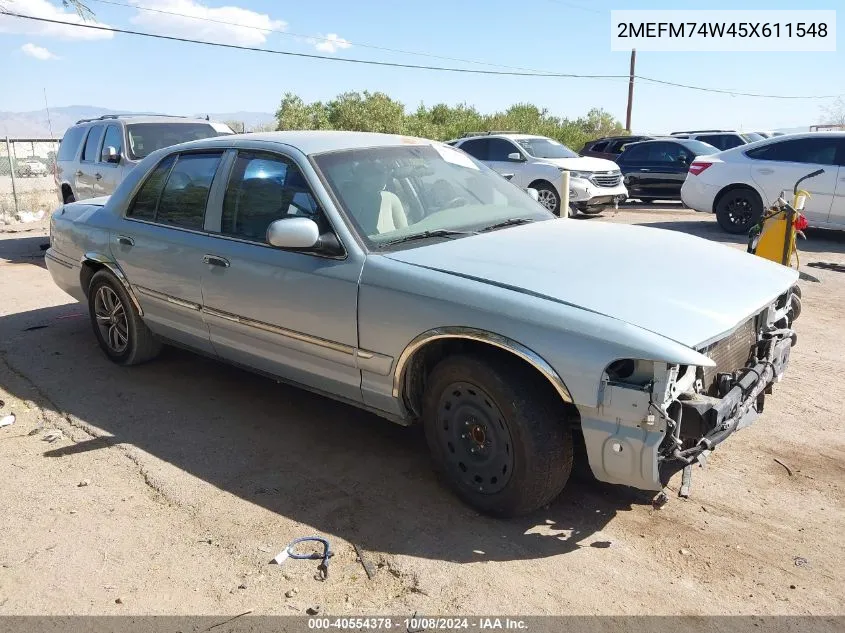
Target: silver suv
{"x": 96, "y": 154}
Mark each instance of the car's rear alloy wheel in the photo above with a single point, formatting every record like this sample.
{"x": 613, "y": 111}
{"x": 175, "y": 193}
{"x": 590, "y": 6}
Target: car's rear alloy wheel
{"x": 111, "y": 319}
{"x": 120, "y": 330}
{"x": 497, "y": 437}
{"x": 738, "y": 211}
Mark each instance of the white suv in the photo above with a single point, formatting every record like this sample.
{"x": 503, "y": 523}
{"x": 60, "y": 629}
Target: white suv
{"x": 721, "y": 139}
{"x": 537, "y": 162}
{"x": 738, "y": 184}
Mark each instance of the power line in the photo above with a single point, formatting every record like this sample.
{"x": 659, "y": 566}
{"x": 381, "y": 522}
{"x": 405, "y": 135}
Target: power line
{"x": 313, "y": 37}
{"x": 370, "y": 62}
{"x": 350, "y": 60}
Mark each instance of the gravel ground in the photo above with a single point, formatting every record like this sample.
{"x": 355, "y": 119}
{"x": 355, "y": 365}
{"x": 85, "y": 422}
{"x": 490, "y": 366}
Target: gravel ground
{"x": 174, "y": 483}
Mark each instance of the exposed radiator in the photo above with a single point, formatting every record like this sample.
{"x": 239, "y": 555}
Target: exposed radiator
{"x": 730, "y": 354}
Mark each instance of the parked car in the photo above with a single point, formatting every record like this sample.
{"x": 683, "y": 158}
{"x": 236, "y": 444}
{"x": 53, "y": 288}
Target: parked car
{"x": 31, "y": 167}
{"x": 720, "y": 139}
{"x": 738, "y": 184}
{"x": 610, "y": 147}
{"x": 404, "y": 277}
{"x": 655, "y": 170}
{"x": 95, "y": 155}
{"x": 536, "y": 162}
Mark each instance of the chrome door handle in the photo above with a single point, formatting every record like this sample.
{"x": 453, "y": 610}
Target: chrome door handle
{"x": 125, "y": 240}
{"x": 98, "y": 176}
{"x": 214, "y": 260}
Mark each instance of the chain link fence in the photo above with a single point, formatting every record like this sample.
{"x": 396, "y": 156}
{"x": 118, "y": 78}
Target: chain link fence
{"x": 27, "y": 185}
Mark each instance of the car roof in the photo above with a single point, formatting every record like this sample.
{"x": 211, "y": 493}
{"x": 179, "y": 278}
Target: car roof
{"x": 311, "y": 141}
{"x": 514, "y": 136}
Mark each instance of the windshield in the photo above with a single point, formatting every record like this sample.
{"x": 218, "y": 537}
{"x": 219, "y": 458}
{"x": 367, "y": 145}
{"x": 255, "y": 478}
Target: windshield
{"x": 700, "y": 148}
{"x": 545, "y": 148}
{"x": 145, "y": 138}
{"x": 395, "y": 192}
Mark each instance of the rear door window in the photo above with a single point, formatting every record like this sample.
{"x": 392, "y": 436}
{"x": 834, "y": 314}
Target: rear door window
{"x": 146, "y": 201}
{"x": 817, "y": 151}
{"x": 477, "y": 148}
{"x": 183, "y": 200}
{"x": 635, "y": 154}
{"x": 600, "y": 146}
{"x": 499, "y": 149}
{"x": 70, "y": 143}
{"x": 92, "y": 144}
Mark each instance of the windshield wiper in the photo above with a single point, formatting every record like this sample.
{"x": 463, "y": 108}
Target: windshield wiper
{"x": 508, "y": 222}
{"x": 427, "y": 234}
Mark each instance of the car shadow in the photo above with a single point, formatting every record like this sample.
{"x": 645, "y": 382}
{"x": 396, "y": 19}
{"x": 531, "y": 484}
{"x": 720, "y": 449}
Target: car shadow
{"x": 320, "y": 463}
{"x": 817, "y": 240}
{"x": 24, "y": 250}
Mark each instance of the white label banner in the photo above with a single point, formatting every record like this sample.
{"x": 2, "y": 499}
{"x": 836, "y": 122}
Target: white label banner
{"x": 709, "y": 30}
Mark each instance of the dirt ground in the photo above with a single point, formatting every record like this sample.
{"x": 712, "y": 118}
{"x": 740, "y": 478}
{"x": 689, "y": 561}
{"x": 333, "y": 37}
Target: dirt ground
{"x": 177, "y": 481}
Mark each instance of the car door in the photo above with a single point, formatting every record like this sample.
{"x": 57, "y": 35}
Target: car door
{"x": 161, "y": 242}
{"x": 775, "y": 167}
{"x": 289, "y": 313}
{"x": 109, "y": 170}
{"x": 498, "y": 151}
{"x": 84, "y": 178}
{"x": 645, "y": 174}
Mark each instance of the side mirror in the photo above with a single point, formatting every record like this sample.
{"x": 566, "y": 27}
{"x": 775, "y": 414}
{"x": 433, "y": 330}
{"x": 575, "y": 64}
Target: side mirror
{"x": 534, "y": 194}
{"x": 515, "y": 157}
{"x": 293, "y": 233}
{"x": 507, "y": 176}
{"x": 112, "y": 155}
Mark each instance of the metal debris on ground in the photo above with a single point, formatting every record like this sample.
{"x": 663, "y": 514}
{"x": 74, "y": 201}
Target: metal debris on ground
{"x": 660, "y": 500}
{"x": 83, "y": 483}
{"x": 313, "y": 610}
{"x": 788, "y": 469}
{"x": 368, "y": 569}
{"x": 686, "y": 482}
{"x": 8, "y": 420}
{"x": 800, "y": 561}
{"x": 53, "y": 435}
{"x": 290, "y": 593}
{"x": 322, "y": 568}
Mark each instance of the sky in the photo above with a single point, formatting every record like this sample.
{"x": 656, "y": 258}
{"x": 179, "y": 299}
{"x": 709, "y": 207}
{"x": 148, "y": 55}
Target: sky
{"x": 126, "y": 72}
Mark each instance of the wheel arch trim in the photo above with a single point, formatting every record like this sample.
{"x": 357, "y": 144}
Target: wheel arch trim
{"x": 113, "y": 268}
{"x": 482, "y": 336}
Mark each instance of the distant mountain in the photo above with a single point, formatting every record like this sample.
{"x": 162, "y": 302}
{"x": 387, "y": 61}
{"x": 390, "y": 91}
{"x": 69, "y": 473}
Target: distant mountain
{"x": 35, "y": 124}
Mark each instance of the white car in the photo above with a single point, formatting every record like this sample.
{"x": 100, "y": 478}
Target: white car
{"x": 537, "y": 162}
{"x": 739, "y": 183}
{"x": 32, "y": 167}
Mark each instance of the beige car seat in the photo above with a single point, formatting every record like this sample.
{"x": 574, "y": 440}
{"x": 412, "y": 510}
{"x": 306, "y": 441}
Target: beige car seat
{"x": 392, "y": 214}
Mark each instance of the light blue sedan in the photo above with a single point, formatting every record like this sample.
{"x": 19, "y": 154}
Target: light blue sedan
{"x": 402, "y": 276}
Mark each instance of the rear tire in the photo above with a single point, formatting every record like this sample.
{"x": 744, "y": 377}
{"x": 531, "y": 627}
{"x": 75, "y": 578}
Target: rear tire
{"x": 120, "y": 331}
{"x": 738, "y": 210}
{"x": 498, "y": 439}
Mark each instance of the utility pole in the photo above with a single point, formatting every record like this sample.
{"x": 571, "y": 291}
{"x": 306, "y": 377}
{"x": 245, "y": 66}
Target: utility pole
{"x": 631, "y": 89}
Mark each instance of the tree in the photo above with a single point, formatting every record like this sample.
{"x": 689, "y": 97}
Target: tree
{"x": 834, "y": 113}
{"x": 377, "y": 112}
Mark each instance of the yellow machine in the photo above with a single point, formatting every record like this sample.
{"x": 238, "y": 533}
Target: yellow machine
{"x": 774, "y": 236}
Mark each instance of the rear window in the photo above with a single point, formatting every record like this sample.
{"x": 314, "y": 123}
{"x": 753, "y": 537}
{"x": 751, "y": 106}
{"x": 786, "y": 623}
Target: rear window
{"x": 145, "y": 138}
{"x": 700, "y": 148}
{"x": 70, "y": 143}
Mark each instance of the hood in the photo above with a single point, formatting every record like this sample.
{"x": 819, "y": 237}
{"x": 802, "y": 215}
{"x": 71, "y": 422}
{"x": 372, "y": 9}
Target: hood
{"x": 685, "y": 288}
{"x": 582, "y": 163}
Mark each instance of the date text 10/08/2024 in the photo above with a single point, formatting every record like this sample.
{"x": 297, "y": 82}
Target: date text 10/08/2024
{"x": 418, "y": 624}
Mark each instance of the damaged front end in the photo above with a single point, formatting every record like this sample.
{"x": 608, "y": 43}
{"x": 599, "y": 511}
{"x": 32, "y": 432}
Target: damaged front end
{"x": 655, "y": 419}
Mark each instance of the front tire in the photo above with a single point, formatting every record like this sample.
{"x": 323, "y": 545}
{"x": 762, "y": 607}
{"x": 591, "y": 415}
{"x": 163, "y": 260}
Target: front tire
{"x": 120, "y": 331}
{"x": 738, "y": 210}
{"x": 548, "y": 197}
{"x": 498, "y": 439}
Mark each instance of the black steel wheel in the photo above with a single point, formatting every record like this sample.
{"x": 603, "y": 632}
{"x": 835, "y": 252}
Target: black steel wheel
{"x": 497, "y": 433}
{"x": 738, "y": 210}
{"x": 479, "y": 452}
